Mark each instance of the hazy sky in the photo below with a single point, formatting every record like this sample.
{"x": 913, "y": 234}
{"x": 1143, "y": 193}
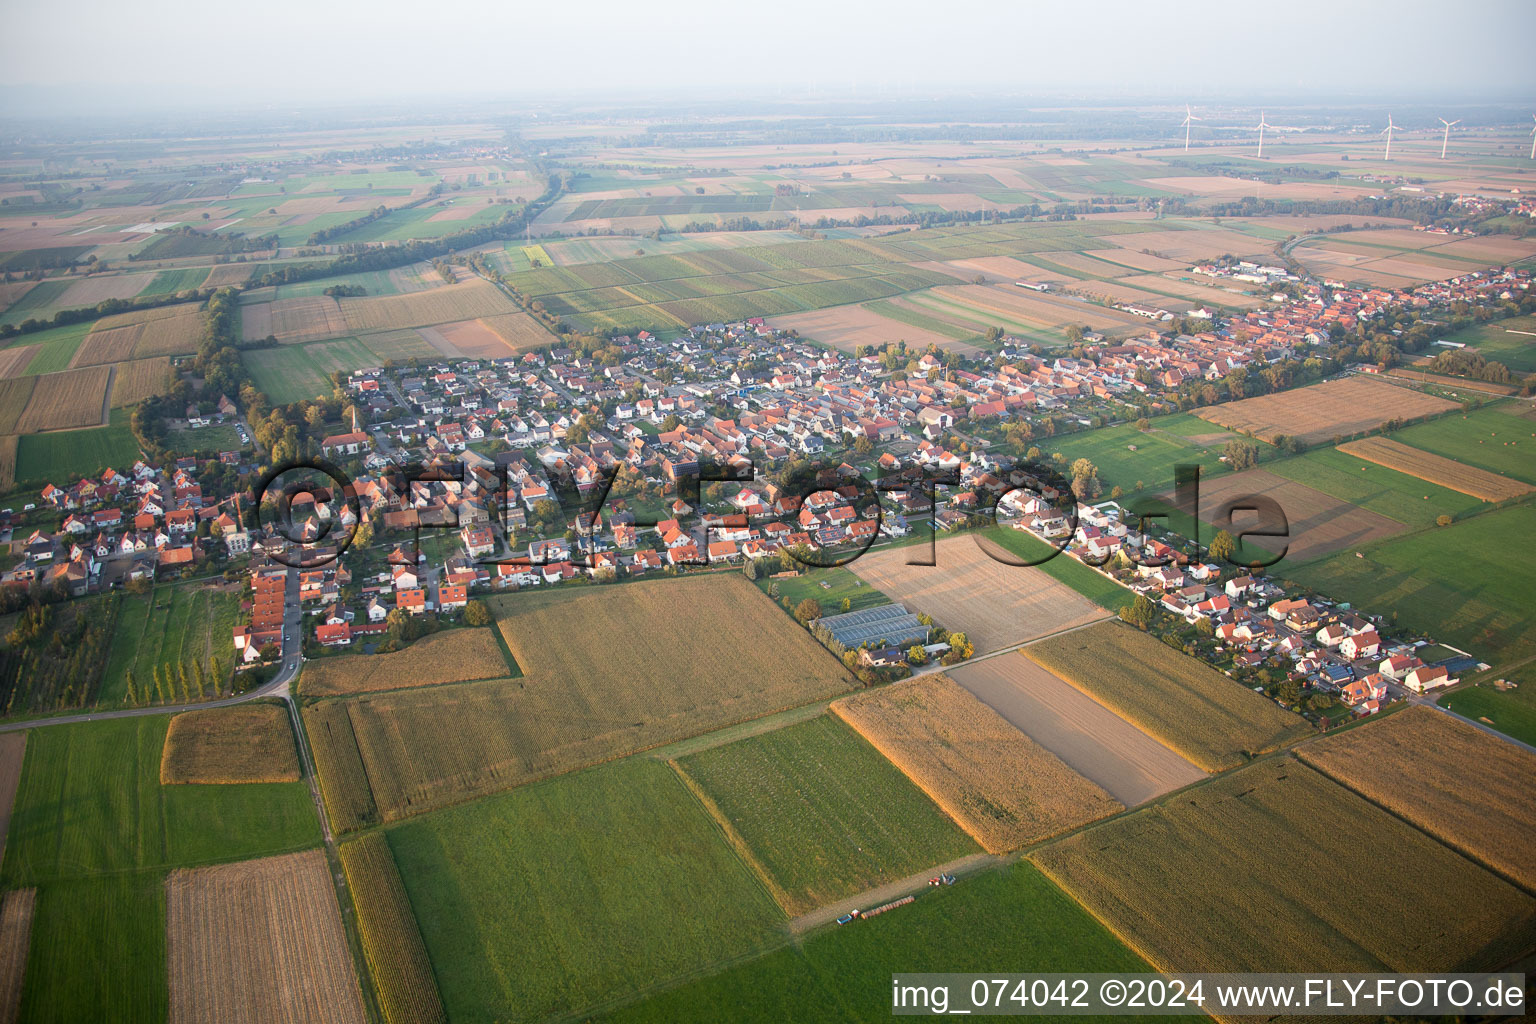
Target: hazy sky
{"x": 343, "y": 51}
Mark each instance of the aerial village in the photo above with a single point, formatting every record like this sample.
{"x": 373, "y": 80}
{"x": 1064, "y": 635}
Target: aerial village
{"x": 551, "y": 470}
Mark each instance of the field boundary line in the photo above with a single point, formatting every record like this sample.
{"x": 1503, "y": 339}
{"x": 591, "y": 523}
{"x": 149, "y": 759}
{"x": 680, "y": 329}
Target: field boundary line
{"x": 733, "y": 838}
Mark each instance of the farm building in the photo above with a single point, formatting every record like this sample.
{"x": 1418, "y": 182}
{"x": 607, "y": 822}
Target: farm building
{"x": 889, "y": 624}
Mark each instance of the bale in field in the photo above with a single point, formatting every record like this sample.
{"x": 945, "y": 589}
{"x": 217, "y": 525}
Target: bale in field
{"x": 1001, "y": 786}
{"x": 249, "y": 743}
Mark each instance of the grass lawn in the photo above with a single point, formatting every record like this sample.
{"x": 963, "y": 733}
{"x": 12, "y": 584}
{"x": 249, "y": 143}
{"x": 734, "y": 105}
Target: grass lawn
{"x": 565, "y": 894}
{"x": 1089, "y": 582}
{"x": 822, "y": 813}
{"x": 1407, "y": 499}
{"x": 216, "y": 437}
{"x": 65, "y": 454}
{"x": 829, "y": 586}
{"x": 90, "y": 802}
{"x": 1495, "y": 342}
{"x": 1011, "y": 916}
{"x": 1489, "y": 438}
{"x": 1510, "y": 711}
{"x": 98, "y": 950}
{"x": 1464, "y": 584}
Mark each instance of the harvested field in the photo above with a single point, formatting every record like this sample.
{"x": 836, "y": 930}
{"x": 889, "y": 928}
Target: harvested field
{"x": 452, "y": 656}
{"x": 311, "y": 318}
{"x": 1436, "y": 469}
{"x": 70, "y": 398}
{"x": 170, "y": 336}
{"x": 139, "y": 379}
{"x": 448, "y": 304}
{"x": 8, "y": 447}
{"x": 398, "y": 345}
{"x": 249, "y": 743}
{"x": 1456, "y": 782}
{"x": 15, "y": 941}
{"x": 397, "y": 958}
{"x": 259, "y": 940}
{"x": 994, "y": 604}
{"x": 98, "y": 288}
{"x": 818, "y": 813}
{"x": 1187, "y": 705}
{"x": 1225, "y": 878}
{"x": 226, "y": 274}
{"x": 1011, "y": 301}
{"x": 13, "y": 749}
{"x": 518, "y": 331}
{"x": 469, "y": 338}
{"x": 847, "y": 327}
{"x": 1206, "y": 294}
{"x": 1320, "y": 524}
{"x": 145, "y": 316}
{"x": 1092, "y": 740}
{"x": 661, "y": 660}
{"x": 13, "y": 361}
{"x": 109, "y": 346}
{"x": 1460, "y": 383}
{"x": 1143, "y": 261}
{"x": 1334, "y": 408}
{"x": 15, "y": 393}
{"x": 1190, "y": 246}
{"x": 1002, "y": 787}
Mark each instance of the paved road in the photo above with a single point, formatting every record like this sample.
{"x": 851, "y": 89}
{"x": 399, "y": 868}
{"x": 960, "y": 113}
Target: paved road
{"x": 277, "y": 687}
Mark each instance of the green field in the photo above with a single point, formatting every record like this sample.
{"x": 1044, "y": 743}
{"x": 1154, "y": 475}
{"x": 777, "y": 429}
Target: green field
{"x": 823, "y": 814}
{"x": 1495, "y": 342}
{"x": 38, "y": 302}
{"x": 90, "y": 802}
{"x": 565, "y": 894}
{"x": 98, "y": 950}
{"x": 171, "y": 626}
{"x": 65, "y": 454}
{"x": 1510, "y": 711}
{"x": 913, "y": 318}
{"x": 1012, "y": 916}
{"x": 1489, "y": 438}
{"x": 1464, "y": 584}
{"x": 1089, "y": 582}
{"x": 57, "y": 347}
{"x": 216, "y": 437}
{"x": 404, "y": 225}
{"x": 828, "y": 586}
{"x": 1407, "y": 499}
{"x": 1151, "y": 463}
{"x": 291, "y": 373}
{"x": 171, "y": 281}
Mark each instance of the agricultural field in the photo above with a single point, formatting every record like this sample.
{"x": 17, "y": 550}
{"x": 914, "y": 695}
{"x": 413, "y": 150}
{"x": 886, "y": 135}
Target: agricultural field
{"x": 818, "y": 813}
{"x": 399, "y": 345}
{"x": 843, "y": 975}
{"x": 259, "y": 940}
{"x": 465, "y": 301}
{"x": 170, "y": 336}
{"x": 67, "y": 399}
{"x": 110, "y": 346}
{"x": 91, "y": 801}
{"x": 291, "y": 373}
{"x": 248, "y": 743}
{"x": 1224, "y": 879}
{"x": 1339, "y": 408}
{"x": 1511, "y": 342}
{"x": 994, "y": 604}
{"x": 1092, "y": 740}
{"x": 8, "y": 447}
{"x": 558, "y": 896}
{"x": 171, "y": 627}
{"x": 1002, "y": 787}
{"x": 517, "y": 331}
{"x": 847, "y": 327}
{"x": 1176, "y": 699}
{"x": 15, "y": 937}
{"x": 1456, "y": 583}
{"x": 13, "y": 748}
{"x": 1374, "y": 488}
{"x": 1463, "y": 786}
{"x": 290, "y": 321}
{"x": 1437, "y": 469}
{"x": 1489, "y": 438}
{"x": 453, "y": 656}
{"x": 829, "y": 587}
{"x": 1319, "y": 523}
{"x": 138, "y": 379}
{"x": 60, "y": 454}
{"x": 397, "y": 957}
{"x": 1125, "y": 456}
{"x": 15, "y": 393}
{"x": 1016, "y": 546}
{"x": 51, "y": 350}
{"x": 649, "y": 674}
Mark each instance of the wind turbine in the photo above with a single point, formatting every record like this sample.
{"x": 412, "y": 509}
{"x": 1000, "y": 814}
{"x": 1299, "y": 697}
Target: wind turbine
{"x": 1188, "y": 117}
{"x": 1533, "y": 139}
{"x": 1447, "y": 139}
{"x": 1262, "y": 125}
{"x": 1387, "y": 131}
